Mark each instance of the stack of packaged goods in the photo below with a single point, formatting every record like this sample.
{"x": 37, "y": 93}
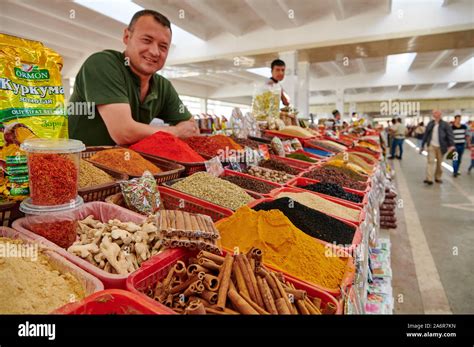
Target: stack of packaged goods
{"x": 388, "y": 219}
{"x": 380, "y": 293}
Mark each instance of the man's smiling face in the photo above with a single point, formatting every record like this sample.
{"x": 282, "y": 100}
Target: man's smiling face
{"x": 148, "y": 45}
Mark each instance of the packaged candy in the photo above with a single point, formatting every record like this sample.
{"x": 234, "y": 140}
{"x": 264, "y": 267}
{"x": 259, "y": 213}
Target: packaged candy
{"x": 141, "y": 194}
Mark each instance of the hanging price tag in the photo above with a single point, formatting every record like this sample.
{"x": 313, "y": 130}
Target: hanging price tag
{"x": 214, "y": 166}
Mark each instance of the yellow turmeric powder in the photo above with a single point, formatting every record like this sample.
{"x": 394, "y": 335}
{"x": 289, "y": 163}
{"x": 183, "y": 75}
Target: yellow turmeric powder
{"x": 284, "y": 245}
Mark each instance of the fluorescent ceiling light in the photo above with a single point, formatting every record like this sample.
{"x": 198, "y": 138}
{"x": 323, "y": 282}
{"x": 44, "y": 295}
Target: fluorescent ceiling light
{"x": 261, "y": 71}
{"x": 451, "y": 84}
{"x": 400, "y": 62}
{"x": 123, "y": 11}
{"x": 418, "y": 2}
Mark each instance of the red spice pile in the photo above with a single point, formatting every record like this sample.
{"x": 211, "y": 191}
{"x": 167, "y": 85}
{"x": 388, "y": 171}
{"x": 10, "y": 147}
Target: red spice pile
{"x": 211, "y": 145}
{"x": 62, "y": 233}
{"x": 53, "y": 179}
{"x": 167, "y": 146}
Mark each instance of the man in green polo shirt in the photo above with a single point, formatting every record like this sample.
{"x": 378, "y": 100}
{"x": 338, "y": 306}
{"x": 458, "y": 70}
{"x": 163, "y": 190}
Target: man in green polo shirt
{"x": 126, "y": 90}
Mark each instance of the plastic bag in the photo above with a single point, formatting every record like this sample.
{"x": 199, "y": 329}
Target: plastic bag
{"x": 141, "y": 194}
{"x": 266, "y": 103}
{"x": 277, "y": 146}
{"x": 31, "y": 100}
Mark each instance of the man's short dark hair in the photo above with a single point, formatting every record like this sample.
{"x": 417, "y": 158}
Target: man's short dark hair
{"x": 156, "y": 15}
{"x": 335, "y": 112}
{"x": 278, "y": 62}
{"x": 399, "y": 120}
{"x": 457, "y": 116}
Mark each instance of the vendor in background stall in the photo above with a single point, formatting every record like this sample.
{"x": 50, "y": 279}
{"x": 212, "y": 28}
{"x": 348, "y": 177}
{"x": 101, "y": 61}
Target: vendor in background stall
{"x": 334, "y": 123}
{"x": 126, "y": 90}
{"x": 278, "y": 74}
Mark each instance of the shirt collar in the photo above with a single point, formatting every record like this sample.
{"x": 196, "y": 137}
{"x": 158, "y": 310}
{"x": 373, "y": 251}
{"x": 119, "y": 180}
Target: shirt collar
{"x": 153, "y": 92}
{"x": 274, "y": 80}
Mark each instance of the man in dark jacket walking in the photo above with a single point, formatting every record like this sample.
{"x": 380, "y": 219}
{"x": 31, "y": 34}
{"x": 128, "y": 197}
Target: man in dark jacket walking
{"x": 440, "y": 139}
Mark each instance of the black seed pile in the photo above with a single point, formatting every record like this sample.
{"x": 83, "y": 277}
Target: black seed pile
{"x": 250, "y": 184}
{"x": 311, "y": 222}
{"x": 333, "y": 189}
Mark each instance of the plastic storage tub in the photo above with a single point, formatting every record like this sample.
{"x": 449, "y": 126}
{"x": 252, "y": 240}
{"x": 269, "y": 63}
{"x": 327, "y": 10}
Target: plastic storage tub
{"x": 57, "y": 184}
{"x": 101, "y": 211}
{"x": 146, "y": 278}
{"x": 90, "y": 283}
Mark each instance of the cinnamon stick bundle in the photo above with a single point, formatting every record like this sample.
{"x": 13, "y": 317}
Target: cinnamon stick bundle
{"x": 212, "y": 284}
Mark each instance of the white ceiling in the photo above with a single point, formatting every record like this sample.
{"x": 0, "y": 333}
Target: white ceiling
{"x": 323, "y": 32}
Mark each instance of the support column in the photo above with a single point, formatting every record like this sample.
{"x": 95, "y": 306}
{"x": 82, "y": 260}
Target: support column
{"x": 204, "y": 105}
{"x": 302, "y": 103}
{"x": 340, "y": 104}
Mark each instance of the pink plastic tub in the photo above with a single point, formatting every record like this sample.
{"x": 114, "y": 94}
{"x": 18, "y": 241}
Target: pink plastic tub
{"x": 90, "y": 283}
{"x": 101, "y": 211}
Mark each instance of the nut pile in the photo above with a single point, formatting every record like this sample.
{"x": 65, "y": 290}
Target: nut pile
{"x": 213, "y": 189}
{"x": 116, "y": 247}
{"x": 250, "y": 184}
{"x": 238, "y": 284}
{"x": 328, "y": 174}
{"x": 276, "y": 165}
{"x": 270, "y": 175}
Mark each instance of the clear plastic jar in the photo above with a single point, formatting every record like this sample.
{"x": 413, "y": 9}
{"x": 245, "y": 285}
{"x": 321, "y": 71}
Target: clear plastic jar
{"x": 53, "y": 167}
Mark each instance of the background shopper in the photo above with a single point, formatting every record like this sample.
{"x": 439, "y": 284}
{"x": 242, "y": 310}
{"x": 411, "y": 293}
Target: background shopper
{"x": 461, "y": 138}
{"x": 399, "y": 131}
{"x": 419, "y": 133}
{"x": 439, "y": 139}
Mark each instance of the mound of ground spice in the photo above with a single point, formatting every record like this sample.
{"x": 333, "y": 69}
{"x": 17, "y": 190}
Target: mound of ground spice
{"x": 34, "y": 286}
{"x": 212, "y": 145}
{"x": 167, "y": 146}
{"x": 124, "y": 160}
{"x": 284, "y": 245}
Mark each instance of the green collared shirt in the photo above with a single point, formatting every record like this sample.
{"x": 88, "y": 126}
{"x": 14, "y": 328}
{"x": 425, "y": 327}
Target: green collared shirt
{"x": 105, "y": 78}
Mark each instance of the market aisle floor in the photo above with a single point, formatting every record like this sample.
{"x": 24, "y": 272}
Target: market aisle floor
{"x": 432, "y": 247}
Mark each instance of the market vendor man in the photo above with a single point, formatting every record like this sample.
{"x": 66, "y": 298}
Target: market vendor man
{"x": 126, "y": 90}
{"x": 278, "y": 74}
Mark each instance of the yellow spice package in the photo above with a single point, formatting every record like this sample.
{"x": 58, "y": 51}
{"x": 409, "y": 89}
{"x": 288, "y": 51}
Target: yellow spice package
{"x": 31, "y": 95}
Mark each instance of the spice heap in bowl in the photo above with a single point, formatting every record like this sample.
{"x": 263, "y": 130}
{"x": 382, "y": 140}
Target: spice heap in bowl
{"x": 211, "y": 146}
{"x": 284, "y": 245}
{"x": 90, "y": 175}
{"x": 167, "y": 146}
{"x": 331, "y": 174}
{"x": 124, "y": 160}
{"x": 213, "y": 189}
